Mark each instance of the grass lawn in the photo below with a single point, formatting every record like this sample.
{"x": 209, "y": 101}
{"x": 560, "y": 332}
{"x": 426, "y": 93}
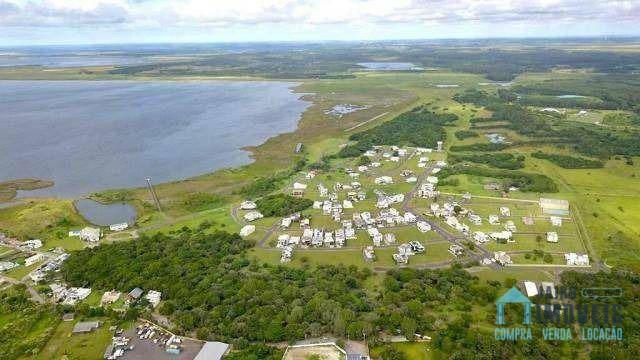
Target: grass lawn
{"x": 78, "y": 346}
{"x": 488, "y": 274}
{"x": 412, "y": 350}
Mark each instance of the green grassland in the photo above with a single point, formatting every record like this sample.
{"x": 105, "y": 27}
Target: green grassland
{"x": 64, "y": 344}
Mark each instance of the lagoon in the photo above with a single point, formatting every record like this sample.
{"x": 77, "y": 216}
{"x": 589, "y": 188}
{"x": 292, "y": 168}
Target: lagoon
{"x": 88, "y": 136}
{"x": 106, "y": 214}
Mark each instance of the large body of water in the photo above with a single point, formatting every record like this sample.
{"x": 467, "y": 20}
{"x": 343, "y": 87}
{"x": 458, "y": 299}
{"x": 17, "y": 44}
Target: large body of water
{"x": 88, "y": 136}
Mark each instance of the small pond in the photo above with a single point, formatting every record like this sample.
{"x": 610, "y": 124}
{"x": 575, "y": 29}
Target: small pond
{"x": 106, "y": 214}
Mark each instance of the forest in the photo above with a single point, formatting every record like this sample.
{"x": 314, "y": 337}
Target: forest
{"x": 498, "y": 160}
{"x": 418, "y": 127}
{"x": 282, "y": 205}
{"x": 569, "y": 162}
{"x": 524, "y": 181}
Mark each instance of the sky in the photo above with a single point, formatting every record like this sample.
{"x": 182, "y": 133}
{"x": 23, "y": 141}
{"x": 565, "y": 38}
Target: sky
{"x": 33, "y": 22}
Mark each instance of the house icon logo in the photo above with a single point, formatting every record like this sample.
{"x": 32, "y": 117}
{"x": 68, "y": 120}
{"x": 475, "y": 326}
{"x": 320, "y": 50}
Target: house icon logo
{"x": 513, "y": 296}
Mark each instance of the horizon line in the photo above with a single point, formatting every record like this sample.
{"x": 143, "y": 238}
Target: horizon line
{"x": 560, "y": 37}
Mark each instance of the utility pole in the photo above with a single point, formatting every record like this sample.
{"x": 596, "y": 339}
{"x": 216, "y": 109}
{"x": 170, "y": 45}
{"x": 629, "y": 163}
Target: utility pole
{"x": 153, "y": 194}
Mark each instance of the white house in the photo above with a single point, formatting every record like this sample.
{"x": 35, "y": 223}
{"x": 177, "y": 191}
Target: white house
{"x": 299, "y": 186}
{"x": 552, "y": 237}
{"x": 118, "y": 227}
{"x": 494, "y": 220}
{"x": 153, "y": 297}
{"x": 253, "y": 215}
{"x": 33, "y": 259}
{"x": 90, "y": 234}
{"x": 247, "y": 230}
{"x": 556, "y": 220}
{"x": 383, "y": 180}
{"x": 574, "y": 259}
{"x": 248, "y": 205}
{"x": 502, "y": 235}
{"x": 480, "y": 237}
{"x": 530, "y": 288}
{"x": 502, "y": 258}
{"x": 432, "y": 179}
{"x": 505, "y": 211}
{"x": 423, "y": 226}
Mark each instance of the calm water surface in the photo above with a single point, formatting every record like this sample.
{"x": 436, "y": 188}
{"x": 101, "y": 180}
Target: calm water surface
{"x": 106, "y": 214}
{"x": 93, "y": 135}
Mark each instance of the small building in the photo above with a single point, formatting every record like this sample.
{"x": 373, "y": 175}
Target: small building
{"x": 33, "y": 259}
{"x": 480, "y": 237}
{"x": 247, "y": 230}
{"x": 252, "y": 216}
{"x": 7, "y": 265}
{"x": 84, "y": 327}
{"x": 456, "y": 250}
{"x": 135, "y": 294}
{"x": 298, "y": 148}
{"x": 530, "y": 288}
{"x": 248, "y": 205}
{"x": 423, "y": 226}
{"x": 574, "y": 259}
{"x": 501, "y": 257}
{"x": 153, "y": 297}
{"x": 110, "y": 297}
{"x": 368, "y": 253}
{"x": 505, "y": 211}
{"x": 552, "y": 237}
{"x": 556, "y": 221}
{"x": 118, "y": 227}
{"x": 90, "y": 234}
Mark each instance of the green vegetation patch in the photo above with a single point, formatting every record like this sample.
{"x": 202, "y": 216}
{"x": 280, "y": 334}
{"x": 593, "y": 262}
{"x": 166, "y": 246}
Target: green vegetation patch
{"x": 418, "y": 127}
{"x": 25, "y": 327}
{"x": 466, "y": 134}
{"x": 282, "y": 205}
{"x": 524, "y": 181}
{"x": 200, "y": 201}
{"x": 498, "y": 160}
{"x": 9, "y": 189}
{"x": 569, "y": 162}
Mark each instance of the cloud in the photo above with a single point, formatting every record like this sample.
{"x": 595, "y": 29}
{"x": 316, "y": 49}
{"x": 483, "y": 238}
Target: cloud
{"x": 225, "y": 13}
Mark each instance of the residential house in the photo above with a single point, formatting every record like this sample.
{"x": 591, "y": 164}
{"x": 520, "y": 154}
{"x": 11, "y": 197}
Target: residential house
{"x": 252, "y": 216}
{"x": 247, "y": 230}
{"x": 248, "y": 205}
{"x": 153, "y": 297}
{"x": 90, "y": 234}
{"x": 552, "y": 237}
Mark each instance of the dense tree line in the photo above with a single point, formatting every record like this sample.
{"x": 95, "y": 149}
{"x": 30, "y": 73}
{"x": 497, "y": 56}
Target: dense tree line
{"x": 480, "y": 147}
{"x": 418, "y": 127}
{"x": 498, "y": 160}
{"x": 569, "y": 162}
{"x": 465, "y": 134}
{"x": 524, "y": 181}
{"x": 282, "y": 205}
